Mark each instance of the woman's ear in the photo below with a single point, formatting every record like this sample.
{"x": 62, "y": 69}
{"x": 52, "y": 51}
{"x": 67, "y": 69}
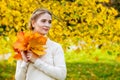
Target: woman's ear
{"x": 33, "y": 23}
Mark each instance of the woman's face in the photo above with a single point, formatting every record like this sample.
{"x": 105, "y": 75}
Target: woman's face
{"x": 42, "y": 24}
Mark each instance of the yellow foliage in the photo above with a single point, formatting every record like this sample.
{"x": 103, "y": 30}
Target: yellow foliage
{"x": 83, "y": 20}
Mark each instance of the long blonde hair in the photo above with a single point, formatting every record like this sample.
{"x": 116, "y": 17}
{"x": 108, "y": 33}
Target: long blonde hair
{"x": 35, "y": 15}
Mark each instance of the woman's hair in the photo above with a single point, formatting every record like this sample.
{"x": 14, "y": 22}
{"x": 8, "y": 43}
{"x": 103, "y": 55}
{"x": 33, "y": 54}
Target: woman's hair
{"x": 36, "y": 14}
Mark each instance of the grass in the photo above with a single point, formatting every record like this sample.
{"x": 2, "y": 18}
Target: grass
{"x": 95, "y": 56}
{"x": 80, "y": 66}
{"x": 7, "y": 70}
{"x": 93, "y": 71}
{"x": 75, "y": 71}
{"x": 97, "y": 65}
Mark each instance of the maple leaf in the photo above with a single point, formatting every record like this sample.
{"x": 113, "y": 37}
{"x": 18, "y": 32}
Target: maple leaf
{"x": 18, "y": 55}
{"x": 29, "y": 41}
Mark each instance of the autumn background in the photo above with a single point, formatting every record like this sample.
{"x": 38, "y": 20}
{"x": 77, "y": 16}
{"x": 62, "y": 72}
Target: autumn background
{"x": 88, "y": 30}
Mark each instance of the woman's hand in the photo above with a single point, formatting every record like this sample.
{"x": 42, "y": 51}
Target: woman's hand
{"x": 31, "y": 56}
{"x": 24, "y": 56}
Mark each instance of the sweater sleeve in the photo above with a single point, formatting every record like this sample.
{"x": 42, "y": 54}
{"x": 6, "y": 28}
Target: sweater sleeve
{"x": 58, "y": 71}
{"x": 21, "y": 69}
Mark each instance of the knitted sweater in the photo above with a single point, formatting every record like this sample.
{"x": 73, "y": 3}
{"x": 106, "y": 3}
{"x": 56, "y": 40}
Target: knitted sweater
{"x": 50, "y": 66}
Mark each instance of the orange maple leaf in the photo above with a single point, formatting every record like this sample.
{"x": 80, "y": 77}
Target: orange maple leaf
{"x": 29, "y": 41}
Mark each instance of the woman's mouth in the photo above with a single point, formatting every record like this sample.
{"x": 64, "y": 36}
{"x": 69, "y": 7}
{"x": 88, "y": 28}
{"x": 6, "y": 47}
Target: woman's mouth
{"x": 46, "y": 29}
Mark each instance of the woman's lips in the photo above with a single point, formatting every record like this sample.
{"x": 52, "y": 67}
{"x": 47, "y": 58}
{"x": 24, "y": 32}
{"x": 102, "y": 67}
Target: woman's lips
{"x": 46, "y": 29}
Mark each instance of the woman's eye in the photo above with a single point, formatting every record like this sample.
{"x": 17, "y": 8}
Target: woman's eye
{"x": 50, "y": 21}
{"x": 43, "y": 20}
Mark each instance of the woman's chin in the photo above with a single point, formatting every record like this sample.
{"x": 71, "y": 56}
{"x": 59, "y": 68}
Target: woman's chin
{"x": 44, "y": 33}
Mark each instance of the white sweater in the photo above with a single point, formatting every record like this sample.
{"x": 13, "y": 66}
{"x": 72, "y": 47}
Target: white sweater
{"x": 51, "y": 66}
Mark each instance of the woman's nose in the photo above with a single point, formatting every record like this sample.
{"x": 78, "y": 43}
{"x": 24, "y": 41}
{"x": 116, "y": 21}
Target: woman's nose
{"x": 47, "y": 24}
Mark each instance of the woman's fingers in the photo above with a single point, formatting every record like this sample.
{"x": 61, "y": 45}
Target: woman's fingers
{"x": 29, "y": 56}
{"x": 24, "y": 57}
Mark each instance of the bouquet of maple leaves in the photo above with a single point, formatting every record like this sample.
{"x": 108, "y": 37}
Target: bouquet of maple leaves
{"x": 33, "y": 41}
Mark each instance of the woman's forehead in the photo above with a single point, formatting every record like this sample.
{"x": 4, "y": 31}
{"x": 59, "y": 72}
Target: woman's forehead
{"x": 45, "y": 16}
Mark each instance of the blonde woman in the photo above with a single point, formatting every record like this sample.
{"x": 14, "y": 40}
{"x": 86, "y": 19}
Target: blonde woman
{"x": 50, "y": 66}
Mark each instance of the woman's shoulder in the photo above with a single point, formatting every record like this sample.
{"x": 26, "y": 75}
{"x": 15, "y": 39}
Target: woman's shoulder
{"x": 55, "y": 47}
{"x": 53, "y": 43}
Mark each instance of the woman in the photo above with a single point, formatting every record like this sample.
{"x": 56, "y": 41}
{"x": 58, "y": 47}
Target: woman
{"x": 50, "y": 66}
